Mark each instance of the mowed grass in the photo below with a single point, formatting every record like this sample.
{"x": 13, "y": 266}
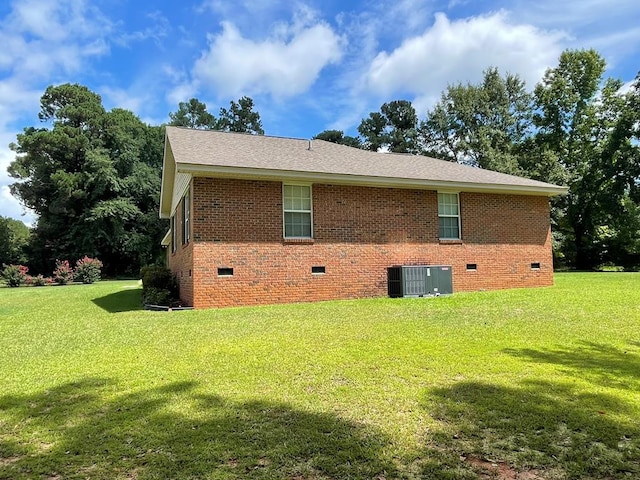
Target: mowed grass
{"x": 536, "y": 384}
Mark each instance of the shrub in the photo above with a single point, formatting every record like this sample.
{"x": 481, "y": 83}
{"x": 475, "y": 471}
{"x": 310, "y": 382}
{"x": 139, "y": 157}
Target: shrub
{"x": 14, "y": 275}
{"x": 88, "y": 270}
{"x": 159, "y": 286}
{"x": 63, "y": 273}
{"x": 156, "y": 296}
{"x": 38, "y": 281}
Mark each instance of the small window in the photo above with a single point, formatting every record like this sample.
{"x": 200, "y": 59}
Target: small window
{"x": 186, "y": 217}
{"x": 448, "y": 216}
{"x": 318, "y": 269}
{"x": 225, "y": 272}
{"x": 472, "y": 266}
{"x": 296, "y": 202}
{"x": 535, "y": 266}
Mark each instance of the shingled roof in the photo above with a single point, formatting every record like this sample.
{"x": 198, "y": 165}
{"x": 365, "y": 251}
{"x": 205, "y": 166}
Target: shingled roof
{"x": 236, "y": 155}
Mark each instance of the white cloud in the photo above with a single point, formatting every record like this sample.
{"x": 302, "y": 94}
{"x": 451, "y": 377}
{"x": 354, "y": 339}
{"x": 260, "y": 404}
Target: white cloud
{"x": 158, "y": 29}
{"x": 9, "y": 205}
{"x": 121, "y": 98}
{"x": 459, "y": 51}
{"x": 577, "y": 14}
{"x": 284, "y": 65}
{"x": 41, "y": 41}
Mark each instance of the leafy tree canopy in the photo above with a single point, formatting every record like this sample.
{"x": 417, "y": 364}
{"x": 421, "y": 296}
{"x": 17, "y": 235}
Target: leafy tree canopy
{"x": 14, "y": 237}
{"x": 483, "y": 125}
{"x": 338, "y": 136}
{"x": 394, "y": 127}
{"x": 93, "y": 178}
{"x": 239, "y": 117}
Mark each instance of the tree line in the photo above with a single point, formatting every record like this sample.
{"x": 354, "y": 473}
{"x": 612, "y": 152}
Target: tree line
{"x": 93, "y": 175}
{"x": 576, "y": 128}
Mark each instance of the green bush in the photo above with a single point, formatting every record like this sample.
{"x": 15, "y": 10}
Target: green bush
{"x": 88, "y": 270}
{"x": 156, "y": 296}
{"x": 63, "y": 273}
{"x": 159, "y": 286}
{"x": 14, "y": 275}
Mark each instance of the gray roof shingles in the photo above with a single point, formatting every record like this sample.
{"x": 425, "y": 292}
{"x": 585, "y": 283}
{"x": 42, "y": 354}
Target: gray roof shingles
{"x": 200, "y": 148}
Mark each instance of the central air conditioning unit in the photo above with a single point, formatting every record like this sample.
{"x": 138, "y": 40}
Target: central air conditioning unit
{"x": 419, "y": 280}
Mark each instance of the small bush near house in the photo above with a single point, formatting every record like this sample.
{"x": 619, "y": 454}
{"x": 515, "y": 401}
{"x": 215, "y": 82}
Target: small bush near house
{"x": 63, "y": 273}
{"x": 159, "y": 286}
{"x": 88, "y": 270}
{"x": 14, "y": 275}
{"x": 156, "y": 296}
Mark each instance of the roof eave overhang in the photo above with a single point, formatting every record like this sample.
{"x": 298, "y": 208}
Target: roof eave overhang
{"x": 166, "y": 240}
{"x": 168, "y": 179}
{"x": 364, "y": 180}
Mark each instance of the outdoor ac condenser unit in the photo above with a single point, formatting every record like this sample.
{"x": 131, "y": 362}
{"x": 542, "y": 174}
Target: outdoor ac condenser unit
{"x": 419, "y": 280}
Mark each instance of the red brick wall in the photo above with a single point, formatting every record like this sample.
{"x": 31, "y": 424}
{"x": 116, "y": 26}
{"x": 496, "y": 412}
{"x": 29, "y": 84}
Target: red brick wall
{"x": 181, "y": 260}
{"x": 358, "y": 233}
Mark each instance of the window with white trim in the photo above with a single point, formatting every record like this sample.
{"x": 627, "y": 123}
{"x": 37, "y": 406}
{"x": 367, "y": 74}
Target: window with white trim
{"x": 448, "y": 216}
{"x": 296, "y": 203}
{"x": 186, "y": 217}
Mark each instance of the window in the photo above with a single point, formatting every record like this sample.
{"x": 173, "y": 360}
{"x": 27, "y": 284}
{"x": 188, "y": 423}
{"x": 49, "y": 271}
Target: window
{"x": 296, "y": 203}
{"x": 448, "y": 216}
{"x": 225, "y": 272}
{"x": 472, "y": 266}
{"x": 318, "y": 269}
{"x": 174, "y": 235}
{"x": 186, "y": 217}
{"x": 535, "y": 266}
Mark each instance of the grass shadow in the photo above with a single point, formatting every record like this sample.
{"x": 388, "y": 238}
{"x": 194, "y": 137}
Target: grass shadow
{"x": 85, "y": 430}
{"x": 537, "y": 430}
{"x": 546, "y": 429}
{"x": 598, "y": 363}
{"x": 125, "y": 300}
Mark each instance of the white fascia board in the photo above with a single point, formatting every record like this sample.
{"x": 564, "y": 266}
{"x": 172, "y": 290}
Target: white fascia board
{"x": 344, "y": 179}
{"x": 166, "y": 240}
{"x": 169, "y": 169}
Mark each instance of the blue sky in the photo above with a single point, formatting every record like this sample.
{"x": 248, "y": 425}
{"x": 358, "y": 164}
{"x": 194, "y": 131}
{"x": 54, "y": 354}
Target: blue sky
{"x": 309, "y": 65}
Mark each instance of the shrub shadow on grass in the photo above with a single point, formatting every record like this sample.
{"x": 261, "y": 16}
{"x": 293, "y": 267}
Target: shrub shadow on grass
{"x": 541, "y": 428}
{"x": 125, "y": 300}
{"x": 598, "y": 363}
{"x": 84, "y": 430}
{"x": 563, "y": 430}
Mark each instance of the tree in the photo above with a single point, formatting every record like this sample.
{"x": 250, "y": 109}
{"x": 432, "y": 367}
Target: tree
{"x": 578, "y": 119}
{"x": 240, "y": 118}
{"x": 93, "y": 178}
{"x": 483, "y": 125}
{"x": 618, "y": 236}
{"x": 14, "y": 238}
{"x": 394, "y": 127}
{"x": 193, "y": 114}
{"x": 338, "y": 136}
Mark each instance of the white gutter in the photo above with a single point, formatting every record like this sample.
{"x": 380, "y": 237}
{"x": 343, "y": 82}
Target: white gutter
{"x": 345, "y": 179}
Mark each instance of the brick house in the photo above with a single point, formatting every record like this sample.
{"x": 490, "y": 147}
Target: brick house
{"x": 261, "y": 220}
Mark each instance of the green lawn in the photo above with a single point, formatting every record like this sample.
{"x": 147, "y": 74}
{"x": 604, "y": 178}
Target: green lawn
{"x": 532, "y": 384}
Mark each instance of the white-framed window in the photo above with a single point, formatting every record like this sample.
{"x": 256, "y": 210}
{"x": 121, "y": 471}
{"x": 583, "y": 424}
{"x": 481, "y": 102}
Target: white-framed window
{"x": 186, "y": 217}
{"x": 448, "y": 216}
{"x": 296, "y": 204}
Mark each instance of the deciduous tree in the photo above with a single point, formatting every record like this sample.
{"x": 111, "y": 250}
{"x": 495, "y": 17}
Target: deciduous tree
{"x": 394, "y": 127}
{"x": 93, "y": 178}
{"x": 338, "y": 136}
{"x": 483, "y": 125}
